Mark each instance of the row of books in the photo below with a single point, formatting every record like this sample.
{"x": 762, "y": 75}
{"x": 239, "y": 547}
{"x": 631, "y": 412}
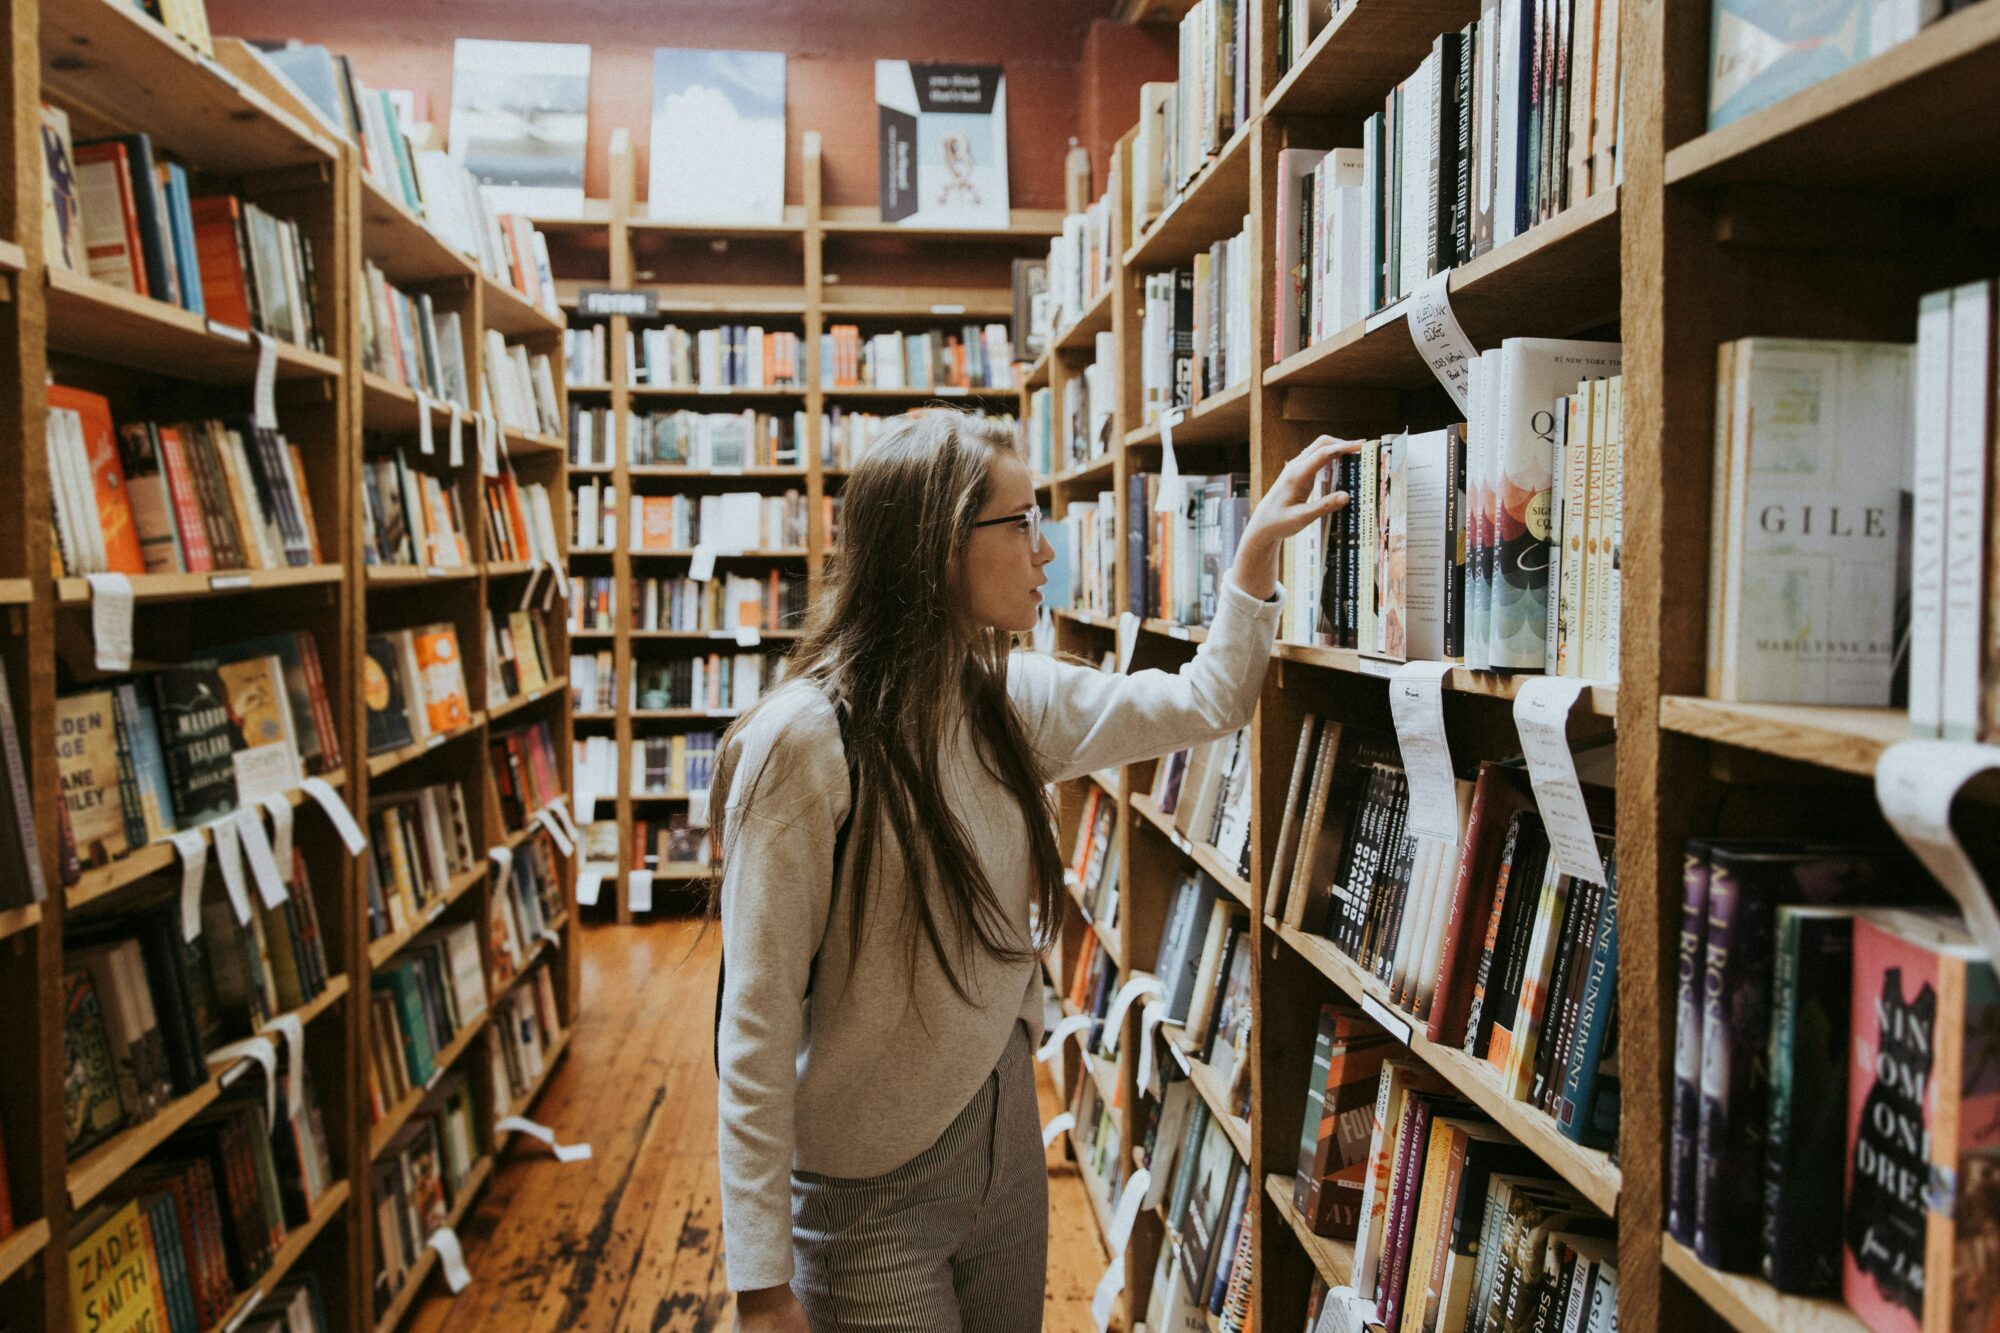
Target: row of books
{"x": 1826, "y": 1049}
{"x": 414, "y": 686}
{"x": 1206, "y": 790}
{"x": 143, "y": 1007}
{"x": 672, "y": 843}
{"x": 719, "y": 605}
{"x": 594, "y": 764}
{"x": 673, "y": 765}
{"x": 409, "y": 516}
{"x": 730, "y": 356}
{"x": 587, "y": 355}
{"x": 1090, "y": 399}
{"x": 593, "y": 515}
{"x": 116, "y": 211}
{"x": 1454, "y": 1224}
{"x": 718, "y": 441}
{"x": 1084, "y": 575}
{"x": 1038, "y": 433}
{"x": 1488, "y": 943}
{"x": 152, "y": 498}
{"x": 593, "y": 682}
{"x": 419, "y": 1002}
{"x": 520, "y": 522}
{"x": 419, "y": 841}
{"x": 175, "y": 1242}
{"x": 378, "y": 122}
{"x": 718, "y": 682}
{"x": 519, "y": 656}
{"x": 1194, "y": 339}
{"x": 525, "y": 909}
{"x": 844, "y": 436}
{"x": 1097, "y": 1137}
{"x": 419, "y": 1179}
{"x": 1184, "y": 124}
{"x": 1094, "y": 861}
{"x": 1203, "y": 1190}
{"x": 974, "y": 357}
{"x": 526, "y": 1027}
{"x": 1176, "y": 561}
{"x": 141, "y": 757}
{"x": 1079, "y": 270}
{"x": 22, "y": 881}
{"x": 519, "y": 386}
{"x": 525, "y": 772}
{"x": 1205, "y": 965}
{"x": 408, "y": 341}
{"x": 730, "y": 521}
{"x": 593, "y": 604}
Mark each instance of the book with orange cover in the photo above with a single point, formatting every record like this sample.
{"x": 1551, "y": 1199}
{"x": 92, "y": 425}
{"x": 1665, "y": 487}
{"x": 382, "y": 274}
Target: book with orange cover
{"x": 656, "y": 531}
{"x": 112, "y": 249}
{"x": 107, "y": 478}
{"x": 218, "y": 244}
{"x": 445, "y": 701}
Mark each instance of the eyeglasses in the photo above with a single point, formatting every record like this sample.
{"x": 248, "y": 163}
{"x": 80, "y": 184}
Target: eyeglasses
{"x": 1030, "y": 521}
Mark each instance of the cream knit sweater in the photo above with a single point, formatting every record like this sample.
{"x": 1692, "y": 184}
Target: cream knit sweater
{"x": 868, "y": 1072}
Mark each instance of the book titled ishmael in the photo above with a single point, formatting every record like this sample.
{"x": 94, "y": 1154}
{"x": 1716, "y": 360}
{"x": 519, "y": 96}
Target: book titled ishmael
{"x": 943, "y": 144}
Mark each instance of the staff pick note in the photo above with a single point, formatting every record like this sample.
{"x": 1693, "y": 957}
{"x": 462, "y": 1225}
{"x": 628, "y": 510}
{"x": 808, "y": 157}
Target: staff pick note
{"x": 1916, "y": 782}
{"x": 1439, "y": 339}
{"x": 1541, "y": 715}
{"x": 1416, "y": 702}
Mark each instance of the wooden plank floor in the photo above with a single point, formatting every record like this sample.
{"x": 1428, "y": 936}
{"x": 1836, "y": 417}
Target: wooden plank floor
{"x": 632, "y": 1238}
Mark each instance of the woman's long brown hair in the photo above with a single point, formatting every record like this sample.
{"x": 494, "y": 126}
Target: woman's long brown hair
{"x": 887, "y": 643}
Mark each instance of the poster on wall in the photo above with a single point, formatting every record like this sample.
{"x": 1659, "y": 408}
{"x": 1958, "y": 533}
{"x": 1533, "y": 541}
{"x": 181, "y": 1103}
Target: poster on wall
{"x": 943, "y": 144}
{"x": 519, "y": 115}
{"x": 718, "y": 141}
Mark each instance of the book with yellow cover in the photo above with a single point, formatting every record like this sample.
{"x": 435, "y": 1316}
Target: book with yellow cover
{"x": 114, "y": 1275}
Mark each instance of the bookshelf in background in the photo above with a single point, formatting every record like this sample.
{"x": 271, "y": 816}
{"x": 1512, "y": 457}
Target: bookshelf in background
{"x": 766, "y": 363}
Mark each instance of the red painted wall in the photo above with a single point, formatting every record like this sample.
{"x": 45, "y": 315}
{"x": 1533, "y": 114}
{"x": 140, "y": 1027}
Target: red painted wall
{"x": 830, "y": 75}
{"x": 1117, "y": 58}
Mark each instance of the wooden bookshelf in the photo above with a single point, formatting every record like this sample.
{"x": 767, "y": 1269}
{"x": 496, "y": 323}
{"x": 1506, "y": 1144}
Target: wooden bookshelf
{"x": 1333, "y": 1260}
{"x": 328, "y": 1212}
{"x": 413, "y": 1280}
{"x": 1752, "y": 1305}
{"x": 238, "y": 129}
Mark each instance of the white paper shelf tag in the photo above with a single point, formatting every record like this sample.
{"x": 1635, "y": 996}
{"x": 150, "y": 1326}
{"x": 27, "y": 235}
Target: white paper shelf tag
{"x": 279, "y": 809}
{"x": 1150, "y": 1019}
{"x": 1141, "y": 986}
{"x": 1416, "y": 702}
{"x": 1075, "y": 1023}
{"x": 1541, "y": 716}
{"x": 265, "y": 1052}
{"x": 455, "y": 438}
{"x": 451, "y": 1259}
{"x": 336, "y": 810}
{"x": 555, "y": 832}
{"x": 264, "y": 395}
{"x": 590, "y": 882}
{"x": 639, "y": 890}
{"x": 1056, "y": 1127}
{"x": 1439, "y": 339}
{"x": 564, "y": 1152}
{"x": 229, "y": 858}
{"x": 1128, "y": 639}
{"x": 293, "y": 1029}
{"x": 192, "y": 844}
{"x": 257, "y": 851}
{"x": 111, "y": 620}
{"x": 1916, "y": 782}
{"x": 701, "y": 565}
{"x": 426, "y": 434}
{"x": 1123, "y": 1216}
{"x": 1173, "y": 490}
{"x": 503, "y": 862}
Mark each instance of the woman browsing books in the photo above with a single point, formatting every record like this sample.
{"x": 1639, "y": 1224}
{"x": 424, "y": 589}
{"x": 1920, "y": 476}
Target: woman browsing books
{"x": 885, "y": 834}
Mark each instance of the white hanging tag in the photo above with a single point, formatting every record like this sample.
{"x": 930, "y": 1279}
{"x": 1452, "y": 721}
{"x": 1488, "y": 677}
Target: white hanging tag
{"x": 698, "y": 808}
{"x": 639, "y": 890}
{"x": 1416, "y": 702}
{"x": 503, "y": 861}
{"x": 293, "y": 1029}
{"x": 584, "y": 802}
{"x": 455, "y": 438}
{"x": 1128, "y": 639}
{"x": 426, "y": 440}
{"x": 1916, "y": 782}
{"x": 1541, "y": 716}
{"x": 748, "y": 636}
{"x": 701, "y": 567}
{"x": 336, "y": 810}
{"x": 1439, "y": 339}
{"x": 489, "y": 464}
{"x": 257, "y": 850}
{"x": 1150, "y": 1019}
{"x": 1141, "y": 985}
{"x": 264, "y": 397}
{"x": 265, "y": 1052}
{"x": 555, "y": 832}
{"x": 549, "y": 937}
{"x": 1056, "y": 1127}
{"x": 1173, "y": 491}
{"x": 561, "y": 813}
{"x": 450, "y": 1258}
{"x": 229, "y": 857}
{"x": 111, "y": 620}
{"x": 564, "y": 1152}
{"x": 590, "y": 882}
{"x": 279, "y": 808}
{"x": 192, "y": 844}
{"x": 1122, "y": 1218}
{"x": 1053, "y": 1042}
{"x": 550, "y": 585}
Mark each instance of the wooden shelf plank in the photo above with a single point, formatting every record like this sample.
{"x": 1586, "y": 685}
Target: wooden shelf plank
{"x": 1035, "y": 224}
{"x": 385, "y": 1129}
{"x": 512, "y": 313}
{"x": 1097, "y": 471}
{"x": 1200, "y": 853}
{"x": 1081, "y": 335}
{"x": 1591, "y": 1173}
{"x": 413, "y": 1279}
{"x": 17, "y": 1249}
{"x": 682, "y": 553}
{"x": 200, "y": 587}
{"x": 388, "y": 760}
{"x": 870, "y": 391}
{"x": 16, "y": 920}
{"x": 125, "y": 71}
{"x": 793, "y": 223}
{"x": 1209, "y": 208}
{"x": 719, "y": 476}
{"x": 402, "y": 245}
{"x": 410, "y": 576}
{"x": 135, "y": 865}
{"x": 1223, "y": 418}
{"x": 1919, "y": 118}
{"x": 1848, "y": 739}
{"x": 1332, "y": 1259}
{"x": 919, "y": 304}
{"x": 525, "y": 1102}
{"x": 1753, "y": 1305}
{"x": 717, "y": 391}
{"x": 1363, "y": 52}
{"x": 389, "y": 406}
{"x": 497, "y": 711}
{"x": 1209, "y": 1086}
{"x": 331, "y": 1202}
{"x": 16, "y": 592}
{"x": 93, "y": 319}
{"x": 1554, "y": 280}
{"x": 1598, "y": 699}
{"x": 532, "y": 443}
{"x": 698, "y": 635}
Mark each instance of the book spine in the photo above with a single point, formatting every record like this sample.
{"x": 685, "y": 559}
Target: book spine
{"x": 1686, "y": 1118}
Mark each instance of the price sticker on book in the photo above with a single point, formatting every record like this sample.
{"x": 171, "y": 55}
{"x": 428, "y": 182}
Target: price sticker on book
{"x": 426, "y": 439}
{"x": 1173, "y": 491}
{"x": 1916, "y": 782}
{"x": 111, "y": 620}
{"x": 1439, "y": 339}
{"x": 337, "y": 812}
{"x": 192, "y": 844}
{"x": 639, "y": 890}
{"x": 1541, "y": 716}
{"x": 1416, "y": 702}
{"x": 264, "y": 396}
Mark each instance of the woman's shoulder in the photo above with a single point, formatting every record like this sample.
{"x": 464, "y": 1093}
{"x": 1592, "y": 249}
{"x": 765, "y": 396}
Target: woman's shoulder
{"x": 788, "y": 751}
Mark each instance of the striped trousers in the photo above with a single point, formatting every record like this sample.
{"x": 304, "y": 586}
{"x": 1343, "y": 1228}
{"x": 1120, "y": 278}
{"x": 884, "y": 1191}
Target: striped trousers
{"x": 955, "y": 1240}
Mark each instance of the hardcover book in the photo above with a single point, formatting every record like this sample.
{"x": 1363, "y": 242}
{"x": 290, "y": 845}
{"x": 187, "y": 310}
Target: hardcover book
{"x": 87, "y": 762}
{"x": 943, "y": 144}
{"x": 200, "y": 738}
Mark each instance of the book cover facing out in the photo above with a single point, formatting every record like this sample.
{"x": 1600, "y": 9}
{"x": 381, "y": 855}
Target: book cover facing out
{"x": 519, "y": 114}
{"x": 718, "y": 140}
{"x": 943, "y": 144}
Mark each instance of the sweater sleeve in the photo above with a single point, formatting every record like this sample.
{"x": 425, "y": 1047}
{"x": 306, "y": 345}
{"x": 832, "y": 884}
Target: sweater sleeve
{"x": 1083, "y": 719}
{"x": 777, "y": 887}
